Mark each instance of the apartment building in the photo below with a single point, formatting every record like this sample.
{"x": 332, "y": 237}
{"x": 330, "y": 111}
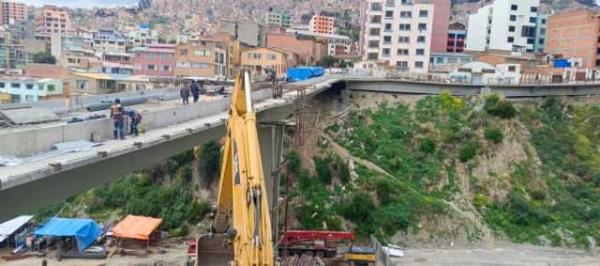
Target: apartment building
{"x": 11, "y": 12}
{"x": 109, "y": 40}
{"x": 154, "y": 60}
{"x": 52, "y": 20}
{"x": 575, "y": 34}
{"x": 259, "y": 59}
{"x": 541, "y": 33}
{"x": 505, "y": 25}
{"x": 141, "y": 35}
{"x": 200, "y": 58}
{"x": 457, "y": 32}
{"x": 398, "y": 33}
{"x": 277, "y": 19}
{"x": 321, "y": 24}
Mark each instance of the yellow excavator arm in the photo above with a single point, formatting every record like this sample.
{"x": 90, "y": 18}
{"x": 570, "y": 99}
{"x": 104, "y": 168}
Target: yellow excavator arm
{"x": 242, "y": 207}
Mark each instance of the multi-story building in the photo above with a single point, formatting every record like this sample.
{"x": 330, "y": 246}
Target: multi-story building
{"x": 12, "y": 55}
{"x": 25, "y": 89}
{"x": 109, "y": 40}
{"x": 505, "y": 25}
{"x": 260, "y": 59}
{"x": 439, "y": 29}
{"x": 541, "y": 32}
{"x": 141, "y": 35}
{"x": 52, "y": 20}
{"x": 277, "y": 19}
{"x": 575, "y": 34}
{"x": 337, "y": 45}
{"x": 321, "y": 24}
{"x": 60, "y": 43}
{"x": 11, "y": 12}
{"x": 201, "y": 58}
{"x": 154, "y": 60}
{"x": 309, "y": 48}
{"x": 398, "y": 33}
{"x": 456, "y": 38}
{"x": 245, "y": 31}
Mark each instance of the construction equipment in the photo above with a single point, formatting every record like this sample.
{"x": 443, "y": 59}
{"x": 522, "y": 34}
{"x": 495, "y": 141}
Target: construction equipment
{"x": 360, "y": 256}
{"x": 242, "y": 214}
{"x": 318, "y": 243}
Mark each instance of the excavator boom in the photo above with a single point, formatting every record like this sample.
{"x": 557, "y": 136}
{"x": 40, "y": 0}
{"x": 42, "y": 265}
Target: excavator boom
{"x": 242, "y": 207}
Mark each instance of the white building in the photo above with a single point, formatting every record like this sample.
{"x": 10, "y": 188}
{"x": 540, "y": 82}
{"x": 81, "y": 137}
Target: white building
{"x": 506, "y": 25}
{"x": 397, "y": 33}
{"x": 23, "y": 89}
{"x": 141, "y": 35}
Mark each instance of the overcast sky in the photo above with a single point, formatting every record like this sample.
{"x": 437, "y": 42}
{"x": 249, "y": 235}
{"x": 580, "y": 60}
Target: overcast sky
{"x": 80, "y": 3}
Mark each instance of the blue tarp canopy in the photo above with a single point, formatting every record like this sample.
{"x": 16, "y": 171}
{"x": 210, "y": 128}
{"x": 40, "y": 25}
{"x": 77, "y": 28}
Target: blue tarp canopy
{"x": 304, "y": 73}
{"x": 85, "y": 231}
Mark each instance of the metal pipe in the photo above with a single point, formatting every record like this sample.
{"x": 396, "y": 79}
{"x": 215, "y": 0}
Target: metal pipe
{"x": 104, "y": 105}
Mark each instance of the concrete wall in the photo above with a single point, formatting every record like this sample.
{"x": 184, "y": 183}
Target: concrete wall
{"x": 36, "y": 140}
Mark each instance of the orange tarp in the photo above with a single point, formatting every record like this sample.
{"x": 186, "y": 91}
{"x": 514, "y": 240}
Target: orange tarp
{"x": 136, "y": 227}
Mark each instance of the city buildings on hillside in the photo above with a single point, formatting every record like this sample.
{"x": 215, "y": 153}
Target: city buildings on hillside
{"x": 52, "y": 20}
{"x": 398, "y": 33}
{"x": 506, "y": 25}
{"x": 154, "y": 60}
{"x": 277, "y": 19}
{"x": 456, "y": 38}
{"x": 245, "y": 31}
{"x": 141, "y": 35}
{"x": 11, "y": 12}
{"x": 439, "y": 28}
{"x": 574, "y": 35}
{"x": 321, "y": 24}
{"x": 27, "y": 89}
{"x": 109, "y": 40}
{"x": 260, "y": 59}
{"x": 337, "y": 45}
{"x": 201, "y": 58}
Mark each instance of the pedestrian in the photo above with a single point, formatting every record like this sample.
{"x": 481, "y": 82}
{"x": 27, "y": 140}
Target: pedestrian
{"x": 195, "y": 90}
{"x": 136, "y": 119}
{"x": 221, "y": 90}
{"x": 185, "y": 94}
{"x": 116, "y": 113}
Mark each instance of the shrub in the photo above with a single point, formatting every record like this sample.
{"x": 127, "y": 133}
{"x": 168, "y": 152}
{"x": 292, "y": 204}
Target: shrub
{"x": 293, "y": 163}
{"x": 493, "y": 134}
{"x": 499, "y": 107}
{"x": 360, "y": 208}
{"x": 468, "y": 151}
{"x": 210, "y": 159}
{"x": 427, "y": 146}
{"x": 323, "y": 170}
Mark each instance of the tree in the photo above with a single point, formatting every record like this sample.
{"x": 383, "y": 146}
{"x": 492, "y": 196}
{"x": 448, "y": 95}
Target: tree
{"x": 210, "y": 159}
{"x": 327, "y": 61}
{"x": 44, "y": 58}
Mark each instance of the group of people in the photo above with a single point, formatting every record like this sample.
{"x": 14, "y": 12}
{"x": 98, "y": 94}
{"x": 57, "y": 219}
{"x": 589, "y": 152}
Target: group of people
{"x": 118, "y": 114}
{"x": 194, "y": 88}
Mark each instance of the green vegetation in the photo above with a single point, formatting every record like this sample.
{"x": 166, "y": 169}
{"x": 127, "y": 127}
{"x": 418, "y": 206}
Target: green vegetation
{"x": 496, "y": 106}
{"x": 493, "y": 134}
{"x": 210, "y": 161}
{"x": 146, "y": 193}
{"x": 43, "y": 58}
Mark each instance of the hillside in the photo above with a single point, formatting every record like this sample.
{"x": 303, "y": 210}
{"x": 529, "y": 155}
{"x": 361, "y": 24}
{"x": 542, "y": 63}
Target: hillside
{"x": 445, "y": 170}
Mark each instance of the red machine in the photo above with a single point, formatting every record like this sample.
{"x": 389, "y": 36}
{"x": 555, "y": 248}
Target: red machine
{"x": 318, "y": 243}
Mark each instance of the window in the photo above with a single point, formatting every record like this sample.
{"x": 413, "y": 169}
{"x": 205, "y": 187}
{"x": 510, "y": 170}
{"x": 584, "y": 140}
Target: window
{"x": 421, "y": 39}
{"x": 376, "y": 19}
{"x": 542, "y": 31}
{"x": 269, "y": 56}
{"x": 511, "y": 39}
{"x": 543, "y": 21}
{"x": 200, "y": 65}
{"x": 404, "y": 27}
{"x": 541, "y": 41}
{"x": 374, "y": 31}
{"x": 420, "y": 52}
{"x": 166, "y": 68}
{"x": 534, "y": 9}
{"x": 419, "y": 64}
{"x": 29, "y": 86}
{"x": 372, "y": 56}
{"x": 528, "y": 31}
{"x": 402, "y": 64}
{"x": 183, "y": 52}
{"x": 423, "y": 13}
{"x": 387, "y": 39}
{"x": 405, "y": 14}
{"x": 376, "y": 6}
{"x": 532, "y": 20}
{"x": 511, "y": 28}
{"x": 514, "y": 7}
{"x": 530, "y": 41}
{"x": 385, "y": 52}
{"x": 15, "y": 85}
{"x": 373, "y": 44}
{"x": 402, "y": 52}
{"x": 403, "y": 39}
{"x": 422, "y": 26}
{"x": 513, "y": 18}
{"x": 151, "y": 67}
{"x": 2, "y": 85}
{"x": 41, "y": 87}
{"x": 390, "y": 3}
{"x": 388, "y": 27}
{"x": 201, "y": 52}
{"x": 512, "y": 68}
{"x": 389, "y": 14}
{"x": 439, "y": 60}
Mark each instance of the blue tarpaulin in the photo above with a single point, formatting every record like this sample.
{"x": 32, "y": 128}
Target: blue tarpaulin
{"x": 304, "y": 73}
{"x": 85, "y": 231}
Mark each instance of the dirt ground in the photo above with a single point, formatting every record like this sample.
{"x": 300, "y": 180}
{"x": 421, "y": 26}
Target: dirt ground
{"x": 174, "y": 256}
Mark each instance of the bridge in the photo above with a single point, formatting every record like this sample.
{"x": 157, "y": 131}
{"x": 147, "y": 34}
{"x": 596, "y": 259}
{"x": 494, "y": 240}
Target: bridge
{"x": 173, "y": 129}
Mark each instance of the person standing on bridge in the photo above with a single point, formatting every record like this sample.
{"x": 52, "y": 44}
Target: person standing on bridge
{"x": 116, "y": 113}
{"x": 184, "y": 92}
{"x": 136, "y": 119}
{"x": 195, "y": 88}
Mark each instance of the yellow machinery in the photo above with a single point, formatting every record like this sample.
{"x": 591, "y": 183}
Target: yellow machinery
{"x": 242, "y": 208}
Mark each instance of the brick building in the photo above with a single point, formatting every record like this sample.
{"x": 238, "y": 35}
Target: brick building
{"x": 154, "y": 60}
{"x": 11, "y": 11}
{"x": 575, "y": 34}
{"x": 308, "y": 48}
{"x": 201, "y": 58}
{"x": 259, "y": 59}
{"x": 52, "y": 20}
{"x": 321, "y": 24}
